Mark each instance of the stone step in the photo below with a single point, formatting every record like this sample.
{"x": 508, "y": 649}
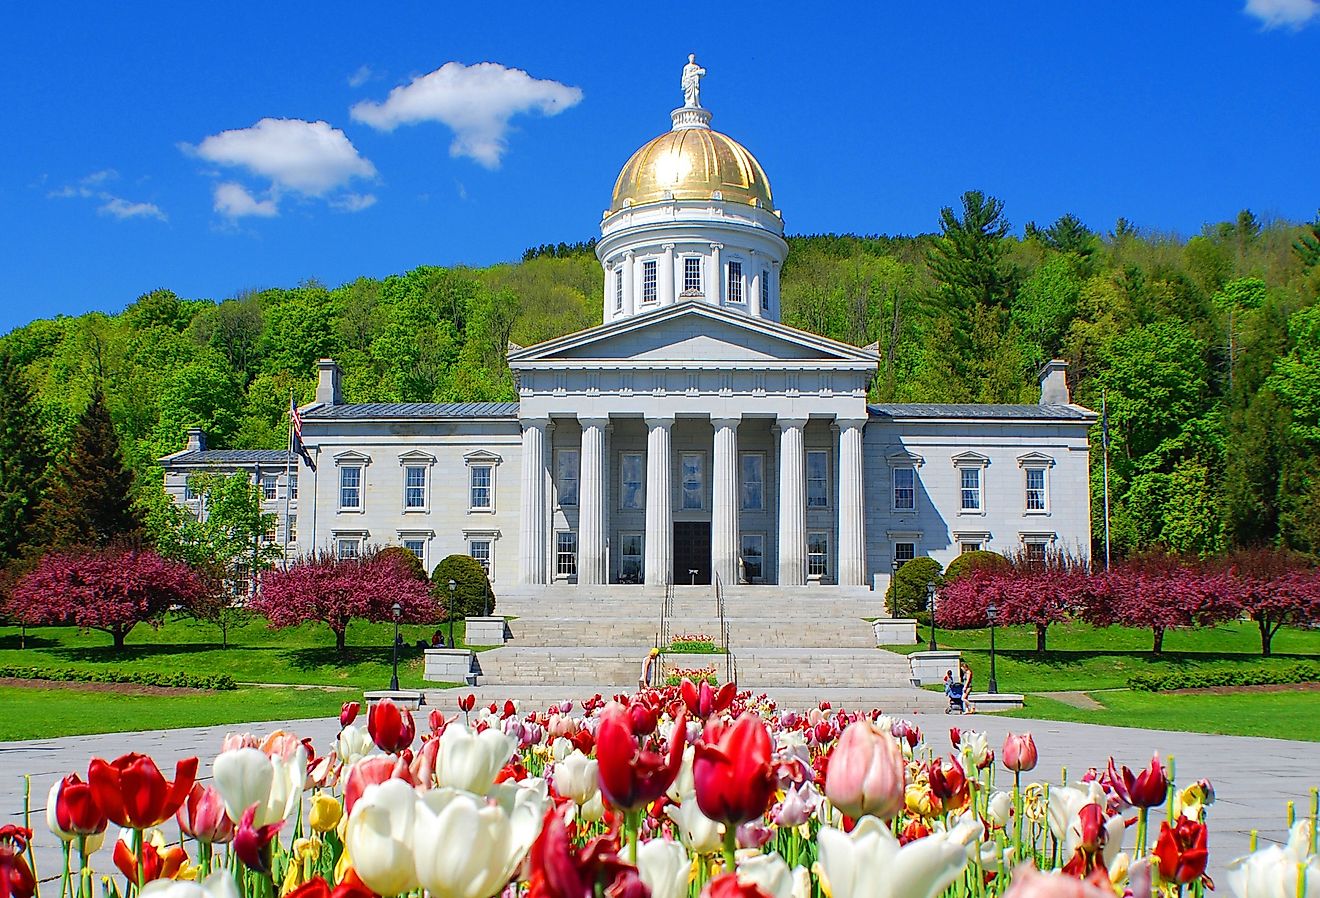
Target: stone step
{"x": 742, "y": 633}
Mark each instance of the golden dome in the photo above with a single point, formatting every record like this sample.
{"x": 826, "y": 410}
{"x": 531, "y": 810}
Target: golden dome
{"x": 692, "y": 163}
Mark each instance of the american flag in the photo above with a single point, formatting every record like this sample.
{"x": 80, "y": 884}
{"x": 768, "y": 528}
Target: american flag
{"x": 295, "y": 422}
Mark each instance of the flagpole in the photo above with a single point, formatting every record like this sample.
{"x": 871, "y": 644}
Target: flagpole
{"x": 288, "y": 481}
{"x": 1104, "y": 439}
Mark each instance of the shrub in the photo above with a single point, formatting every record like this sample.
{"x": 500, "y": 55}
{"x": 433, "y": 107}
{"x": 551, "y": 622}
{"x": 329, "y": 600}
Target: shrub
{"x": 909, "y": 586}
{"x": 980, "y": 560}
{"x": 139, "y": 677}
{"x": 405, "y": 558}
{"x": 1302, "y": 672}
{"x": 695, "y": 647}
{"x": 472, "y": 595}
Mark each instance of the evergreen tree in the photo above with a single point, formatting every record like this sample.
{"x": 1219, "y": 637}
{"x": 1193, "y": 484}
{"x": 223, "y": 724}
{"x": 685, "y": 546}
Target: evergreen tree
{"x": 23, "y": 459}
{"x": 90, "y": 501}
{"x": 1069, "y": 235}
{"x": 1307, "y": 246}
{"x": 968, "y": 257}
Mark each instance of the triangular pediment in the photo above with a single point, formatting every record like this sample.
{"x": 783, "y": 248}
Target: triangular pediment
{"x": 694, "y": 332}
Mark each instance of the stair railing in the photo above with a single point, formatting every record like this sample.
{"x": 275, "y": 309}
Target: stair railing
{"x": 663, "y": 641}
{"x": 724, "y": 630}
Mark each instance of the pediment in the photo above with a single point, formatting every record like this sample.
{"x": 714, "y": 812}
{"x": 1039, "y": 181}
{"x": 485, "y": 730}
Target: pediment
{"x": 694, "y": 332}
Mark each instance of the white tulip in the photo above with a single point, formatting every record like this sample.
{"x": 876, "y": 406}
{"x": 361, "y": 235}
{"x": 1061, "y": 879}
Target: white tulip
{"x": 1273, "y": 872}
{"x": 576, "y": 777}
{"x": 1001, "y": 808}
{"x": 1067, "y": 801}
{"x": 770, "y": 873}
{"x": 380, "y": 835}
{"x": 91, "y": 844}
{"x": 465, "y": 847}
{"x": 868, "y": 862}
{"x": 470, "y": 761}
{"x": 698, "y": 832}
{"x": 247, "y": 776}
{"x": 218, "y": 885}
{"x": 354, "y": 744}
{"x": 561, "y": 748}
{"x": 664, "y": 867}
{"x": 593, "y": 811}
{"x": 975, "y": 749}
{"x": 524, "y": 803}
{"x": 683, "y": 785}
{"x": 967, "y": 833}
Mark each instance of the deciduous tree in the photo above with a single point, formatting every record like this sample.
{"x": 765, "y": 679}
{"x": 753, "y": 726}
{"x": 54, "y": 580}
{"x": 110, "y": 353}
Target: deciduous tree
{"x": 1275, "y": 587}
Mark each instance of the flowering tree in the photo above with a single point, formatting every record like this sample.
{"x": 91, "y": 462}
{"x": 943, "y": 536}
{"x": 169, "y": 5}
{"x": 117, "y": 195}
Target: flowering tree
{"x": 111, "y": 590}
{"x": 1161, "y": 592}
{"x": 1039, "y": 592}
{"x": 334, "y": 591}
{"x": 1275, "y": 587}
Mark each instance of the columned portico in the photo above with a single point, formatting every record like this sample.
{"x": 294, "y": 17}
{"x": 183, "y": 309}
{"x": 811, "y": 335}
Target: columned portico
{"x": 591, "y": 520}
{"x": 792, "y": 503}
{"x": 533, "y": 509}
{"x": 724, "y": 505}
{"x": 659, "y": 513}
{"x": 852, "y": 505}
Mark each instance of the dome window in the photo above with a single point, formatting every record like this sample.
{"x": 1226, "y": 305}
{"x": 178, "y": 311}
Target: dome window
{"x": 618, "y": 289}
{"x": 692, "y": 276}
{"x": 649, "y": 281}
{"x": 734, "y": 291}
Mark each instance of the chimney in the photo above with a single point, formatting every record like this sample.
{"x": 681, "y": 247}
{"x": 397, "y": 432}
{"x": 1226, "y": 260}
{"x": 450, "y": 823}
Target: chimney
{"x": 1053, "y": 379}
{"x": 327, "y": 383}
{"x": 196, "y": 440}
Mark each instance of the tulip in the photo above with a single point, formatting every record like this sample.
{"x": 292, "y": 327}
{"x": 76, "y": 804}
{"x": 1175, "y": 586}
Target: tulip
{"x": 157, "y": 861}
{"x": 974, "y": 749}
{"x": 71, "y": 810}
{"x": 1029, "y": 883}
{"x": 234, "y": 741}
{"x": 133, "y": 793}
{"x": 664, "y": 868}
{"x": 1019, "y": 752}
{"x": 316, "y": 887}
{"x": 560, "y": 871}
{"x": 325, "y": 813}
{"x": 576, "y": 778}
{"x": 203, "y": 816}
{"x": 730, "y": 885}
{"x": 732, "y": 772}
{"x": 1000, "y": 807}
{"x": 247, "y": 778}
{"x": 797, "y": 807}
{"x": 1284, "y": 871}
{"x": 380, "y": 837}
{"x": 391, "y": 729}
{"x": 948, "y": 783}
{"x": 16, "y": 879}
{"x": 698, "y": 832}
{"x": 424, "y": 762}
{"x": 770, "y": 873}
{"x": 1181, "y": 852}
{"x": 632, "y": 777}
{"x": 252, "y": 841}
{"x": 702, "y": 701}
{"x": 217, "y": 885}
{"x": 348, "y": 713}
{"x": 372, "y": 771}
{"x": 1146, "y": 789}
{"x": 866, "y": 773}
{"x": 475, "y": 848}
{"x": 869, "y": 863}
{"x": 471, "y": 761}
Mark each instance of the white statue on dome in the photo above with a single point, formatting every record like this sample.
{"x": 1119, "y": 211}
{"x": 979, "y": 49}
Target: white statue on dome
{"x": 692, "y": 75}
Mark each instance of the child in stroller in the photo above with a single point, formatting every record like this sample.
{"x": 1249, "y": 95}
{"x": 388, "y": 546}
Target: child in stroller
{"x": 953, "y": 689}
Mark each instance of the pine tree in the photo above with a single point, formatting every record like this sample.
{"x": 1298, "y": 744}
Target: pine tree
{"x": 968, "y": 256}
{"x": 90, "y": 500}
{"x": 1307, "y": 246}
{"x": 23, "y": 460}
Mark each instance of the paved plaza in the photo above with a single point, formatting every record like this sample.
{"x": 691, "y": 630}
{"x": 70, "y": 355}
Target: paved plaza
{"x": 1253, "y": 777}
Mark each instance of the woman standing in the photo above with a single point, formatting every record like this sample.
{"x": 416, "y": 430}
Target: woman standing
{"x": 965, "y": 674}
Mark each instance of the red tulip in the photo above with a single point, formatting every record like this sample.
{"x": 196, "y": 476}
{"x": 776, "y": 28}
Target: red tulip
{"x": 132, "y": 792}
{"x": 16, "y": 879}
{"x": 730, "y": 885}
{"x": 643, "y": 718}
{"x": 631, "y": 777}
{"x": 866, "y": 772}
{"x": 369, "y": 772}
{"x": 948, "y": 783}
{"x": 157, "y": 863}
{"x": 1146, "y": 789}
{"x": 316, "y": 887}
{"x": 1020, "y": 752}
{"x": 558, "y": 870}
{"x": 955, "y": 736}
{"x": 467, "y": 704}
{"x": 703, "y": 701}
{"x": 731, "y": 770}
{"x": 76, "y": 810}
{"x": 1181, "y": 851}
{"x": 203, "y": 816}
{"x": 251, "y": 842}
{"x": 391, "y": 729}
{"x": 437, "y": 721}
{"x": 1091, "y": 838}
{"x": 349, "y": 712}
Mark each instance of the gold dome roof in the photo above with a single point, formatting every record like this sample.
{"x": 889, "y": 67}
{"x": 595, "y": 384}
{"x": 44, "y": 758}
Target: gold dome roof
{"x": 691, "y": 163}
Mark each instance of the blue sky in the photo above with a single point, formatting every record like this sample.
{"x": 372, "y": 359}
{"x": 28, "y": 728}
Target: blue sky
{"x": 868, "y": 118}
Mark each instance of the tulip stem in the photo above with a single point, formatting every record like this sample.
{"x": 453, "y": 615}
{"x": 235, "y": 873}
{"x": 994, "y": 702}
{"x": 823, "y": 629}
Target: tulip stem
{"x": 730, "y": 846}
{"x": 1141, "y": 831}
{"x": 64, "y": 879}
{"x": 632, "y": 822}
{"x": 140, "y": 873}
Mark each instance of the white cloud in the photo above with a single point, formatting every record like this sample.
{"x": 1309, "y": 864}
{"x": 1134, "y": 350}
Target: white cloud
{"x": 354, "y": 202}
{"x": 311, "y": 158}
{"x": 90, "y": 188}
{"x": 361, "y": 76}
{"x": 122, "y": 208}
{"x": 233, "y": 201}
{"x": 1275, "y": 13}
{"x": 475, "y": 101}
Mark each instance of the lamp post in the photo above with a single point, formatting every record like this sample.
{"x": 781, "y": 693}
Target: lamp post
{"x": 991, "y": 612}
{"x": 453, "y": 585}
{"x": 930, "y": 605}
{"x": 397, "y": 612}
{"x": 893, "y": 589}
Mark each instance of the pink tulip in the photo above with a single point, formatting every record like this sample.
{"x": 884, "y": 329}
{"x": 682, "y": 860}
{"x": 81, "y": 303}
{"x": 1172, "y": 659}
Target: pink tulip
{"x": 866, "y": 773}
{"x": 1020, "y": 752}
{"x": 203, "y": 816}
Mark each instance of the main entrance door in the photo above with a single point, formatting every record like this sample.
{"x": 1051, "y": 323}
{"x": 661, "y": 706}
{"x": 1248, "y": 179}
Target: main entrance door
{"x": 691, "y": 552}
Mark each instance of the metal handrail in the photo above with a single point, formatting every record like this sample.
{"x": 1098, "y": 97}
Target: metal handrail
{"x": 724, "y": 629}
{"x": 666, "y": 612}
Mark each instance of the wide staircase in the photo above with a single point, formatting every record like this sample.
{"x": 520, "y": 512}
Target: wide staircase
{"x": 800, "y": 646}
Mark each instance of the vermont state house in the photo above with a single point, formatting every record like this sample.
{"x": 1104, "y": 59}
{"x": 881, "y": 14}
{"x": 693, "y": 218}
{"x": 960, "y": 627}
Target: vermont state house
{"x": 689, "y": 437}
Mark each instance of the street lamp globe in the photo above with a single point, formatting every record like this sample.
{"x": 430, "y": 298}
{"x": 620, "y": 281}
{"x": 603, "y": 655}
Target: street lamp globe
{"x": 397, "y": 611}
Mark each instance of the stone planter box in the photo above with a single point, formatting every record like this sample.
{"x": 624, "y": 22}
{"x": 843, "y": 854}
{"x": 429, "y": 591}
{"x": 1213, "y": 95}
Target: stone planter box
{"x": 989, "y": 702}
{"x": 895, "y": 631}
{"x": 930, "y": 667}
{"x": 404, "y": 698}
{"x": 448, "y": 665}
{"x": 486, "y": 631}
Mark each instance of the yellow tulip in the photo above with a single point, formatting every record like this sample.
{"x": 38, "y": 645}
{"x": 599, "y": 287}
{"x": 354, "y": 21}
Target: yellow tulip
{"x": 325, "y": 813}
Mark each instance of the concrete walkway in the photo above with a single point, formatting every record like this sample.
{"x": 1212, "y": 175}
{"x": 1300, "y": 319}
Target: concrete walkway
{"x": 1253, "y": 777}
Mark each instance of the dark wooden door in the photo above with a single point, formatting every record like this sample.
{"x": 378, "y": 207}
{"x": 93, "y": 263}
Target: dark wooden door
{"x": 691, "y": 552}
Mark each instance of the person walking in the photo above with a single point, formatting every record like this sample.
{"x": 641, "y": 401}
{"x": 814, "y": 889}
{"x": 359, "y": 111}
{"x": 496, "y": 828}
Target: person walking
{"x": 965, "y": 674}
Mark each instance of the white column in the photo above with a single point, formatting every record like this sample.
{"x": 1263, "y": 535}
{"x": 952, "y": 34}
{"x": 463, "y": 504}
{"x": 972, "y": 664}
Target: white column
{"x": 666, "y": 286}
{"x": 754, "y": 301}
{"x": 609, "y": 291}
{"x": 532, "y": 551}
{"x": 591, "y": 510}
{"x": 629, "y": 287}
{"x": 714, "y": 293}
{"x": 772, "y": 300}
{"x": 792, "y": 503}
{"x": 724, "y": 507}
{"x": 852, "y": 505}
{"x": 659, "y": 496}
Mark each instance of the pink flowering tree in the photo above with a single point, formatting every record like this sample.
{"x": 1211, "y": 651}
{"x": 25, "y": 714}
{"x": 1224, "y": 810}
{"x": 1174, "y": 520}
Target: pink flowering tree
{"x": 1275, "y": 588}
{"x": 1162, "y": 592}
{"x": 1037, "y": 592}
{"x": 111, "y": 590}
{"x": 335, "y": 591}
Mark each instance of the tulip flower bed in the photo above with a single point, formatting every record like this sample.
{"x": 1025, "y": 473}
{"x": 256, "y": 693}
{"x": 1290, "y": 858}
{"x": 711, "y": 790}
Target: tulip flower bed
{"x": 671, "y": 793}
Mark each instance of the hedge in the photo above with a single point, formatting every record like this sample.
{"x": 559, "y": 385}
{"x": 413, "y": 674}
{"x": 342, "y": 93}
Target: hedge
{"x": 139, "y": 678}
{"x": 1302, "y": 672}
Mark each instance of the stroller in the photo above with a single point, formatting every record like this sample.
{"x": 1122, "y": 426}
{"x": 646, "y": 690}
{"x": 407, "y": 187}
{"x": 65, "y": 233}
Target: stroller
{"x": 954, "y": 691}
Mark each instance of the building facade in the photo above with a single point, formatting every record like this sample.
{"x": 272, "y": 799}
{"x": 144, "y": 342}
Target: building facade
{"x": 691, "y": 436}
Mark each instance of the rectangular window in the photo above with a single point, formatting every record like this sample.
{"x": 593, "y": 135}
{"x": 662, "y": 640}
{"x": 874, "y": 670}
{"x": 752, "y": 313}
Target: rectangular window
{"x": 765, "y": 291}
{"x": 753, "y": 481}
{"x": 293, "y": 534}
{"x": 753, "y": 557}
{"x": 630, "y": 558}
{"x": 566, "y": 475}
{"x": 818, "y": 479}
{"x": 694, "y": 480}
{"x": 903, "y": 553}
{"x": 1035, "y": 489}
{"x": 818, "y": 554}
{"x": 905, "y": 489}
{"x": 734, "y": 288}
{"x": 480, "y": 495}
{"x": 270, "y": 487}
{"x": 618, "y": 289}
{"x": 347, "y": 548}
{"x": 971, "y": 488}
{"x": 565, "y": 554}
{"x": 480, "y": 549}
{"x": 272, "y": 533}
{"x": 414, "y": 486}
{"x": 293, "y": 486}
{"x": 692, "y": 274}
{"x": 966, "y": 547}
{"x": 1035, "y": 554}
{"x": 417, "y": 547}
{"x": 350, "y": 488}
{"x": 632, "y": 477}
{"x": 189, "y": 494}
{"x": 648, "y": 281}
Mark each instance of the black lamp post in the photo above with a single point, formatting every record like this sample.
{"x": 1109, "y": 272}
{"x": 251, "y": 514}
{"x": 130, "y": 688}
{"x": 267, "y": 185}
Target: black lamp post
{"x": 930, "y": 606}
{"x": 991, "y": 612}
{"x": 893, "y": 589}
{"x": 397, "y": 611}
{"x": 453, "y": 585}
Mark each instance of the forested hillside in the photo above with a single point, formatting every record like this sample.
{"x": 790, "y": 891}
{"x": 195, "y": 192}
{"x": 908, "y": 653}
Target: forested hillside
{"x": 1208, "y": 349}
